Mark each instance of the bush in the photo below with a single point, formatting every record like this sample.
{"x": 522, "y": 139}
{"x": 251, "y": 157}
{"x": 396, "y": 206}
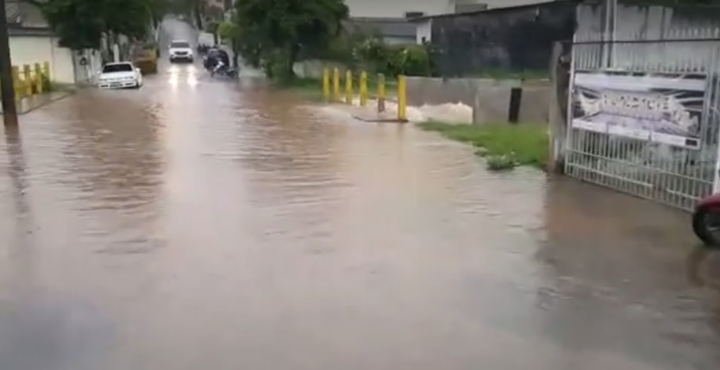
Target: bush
{"x": 396, "y": 60}
{"x": 415, "y": 61}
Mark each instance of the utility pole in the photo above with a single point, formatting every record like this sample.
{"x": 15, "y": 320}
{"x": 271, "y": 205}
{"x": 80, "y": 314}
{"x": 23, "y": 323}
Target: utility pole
{"x": 7, "y": 88}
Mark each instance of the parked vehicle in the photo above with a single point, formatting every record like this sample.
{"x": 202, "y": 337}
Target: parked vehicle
{"x": 180, "y": 51}
{"x": 144, "y": 56}
{"x": 706, "y": 220}
{"x": 120, "y": 75}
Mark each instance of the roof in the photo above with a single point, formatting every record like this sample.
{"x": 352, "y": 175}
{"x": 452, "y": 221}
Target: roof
{"x": 489, "y": 11}
{"x": 24, "y": 15}
{"x": 391, "y": 27}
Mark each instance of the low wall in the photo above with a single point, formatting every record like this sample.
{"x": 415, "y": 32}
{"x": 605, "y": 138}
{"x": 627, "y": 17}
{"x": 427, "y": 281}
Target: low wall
{"x": 314, "y": 68}
{"x": 489, "y": 99}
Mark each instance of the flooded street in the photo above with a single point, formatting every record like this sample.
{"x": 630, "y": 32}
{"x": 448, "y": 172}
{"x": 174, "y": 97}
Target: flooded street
{"x": 205, "y": 224}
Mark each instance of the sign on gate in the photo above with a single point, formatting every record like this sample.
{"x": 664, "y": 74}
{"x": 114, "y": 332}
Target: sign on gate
{"x": 644, "y": 114}
{"x": 660, "y": 108}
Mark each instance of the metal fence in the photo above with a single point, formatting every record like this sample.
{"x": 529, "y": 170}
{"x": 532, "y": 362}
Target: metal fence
{"x": 643, "y": 114}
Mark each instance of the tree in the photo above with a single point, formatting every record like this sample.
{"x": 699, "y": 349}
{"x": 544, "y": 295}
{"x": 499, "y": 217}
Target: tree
{"x": 80, "y": 24}
{"x": 193, "y": 8}
{"x": 279, "y": 30}
{"x": 231, "y": 31}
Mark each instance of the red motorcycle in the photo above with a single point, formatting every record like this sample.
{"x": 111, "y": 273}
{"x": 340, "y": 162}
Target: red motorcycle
{"x": 706, "y": 220}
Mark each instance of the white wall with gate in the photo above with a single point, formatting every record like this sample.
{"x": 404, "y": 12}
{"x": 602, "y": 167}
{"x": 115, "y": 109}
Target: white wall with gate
{"x": 39, "y": 49}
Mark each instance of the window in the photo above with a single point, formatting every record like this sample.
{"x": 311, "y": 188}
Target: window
{"x": 409, "y": 15}
{"x": 113, "y": 68}
{"x": 179, "y": 44}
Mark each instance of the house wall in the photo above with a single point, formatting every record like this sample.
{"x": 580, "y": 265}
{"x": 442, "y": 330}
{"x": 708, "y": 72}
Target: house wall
{"x": 397, "y": 8}
{"x": 39, "y": 49}
{"x": 508, "y": 39}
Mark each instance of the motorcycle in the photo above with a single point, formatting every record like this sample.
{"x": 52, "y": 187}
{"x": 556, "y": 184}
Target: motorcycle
{"x": 223, "y": 70}
{"x": 706, "y": 220}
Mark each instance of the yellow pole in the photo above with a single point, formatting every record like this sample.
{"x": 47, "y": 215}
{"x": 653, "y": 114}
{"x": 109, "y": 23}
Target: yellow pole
{"x": 348, "y": 87}
{"x": 17, "y": 83}
{"x": 363, "y": 88}
{"x": 402, "y": 99}
{"x": 39, "y": 78}
{"x": 326, "y": 84}
{"x": 27, "y": 71}
{"x": 381, "y": 92}
{"x": 336, "y": 85}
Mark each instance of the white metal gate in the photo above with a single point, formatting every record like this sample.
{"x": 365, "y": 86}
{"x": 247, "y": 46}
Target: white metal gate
{"x": 643, "y": 114}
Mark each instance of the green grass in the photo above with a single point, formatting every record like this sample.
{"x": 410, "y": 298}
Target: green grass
{"x": 503, "y": 145}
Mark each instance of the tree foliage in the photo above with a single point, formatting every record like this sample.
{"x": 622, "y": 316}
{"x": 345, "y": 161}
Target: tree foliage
{"x": 277, "y": 31}
{"x": 80, "y": 24}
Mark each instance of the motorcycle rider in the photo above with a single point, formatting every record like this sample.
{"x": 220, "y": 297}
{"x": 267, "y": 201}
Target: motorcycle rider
{"x": 216, "y": 59}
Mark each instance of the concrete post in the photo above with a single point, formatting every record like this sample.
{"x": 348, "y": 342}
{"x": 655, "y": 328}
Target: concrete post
{"x": 558, "y": 125}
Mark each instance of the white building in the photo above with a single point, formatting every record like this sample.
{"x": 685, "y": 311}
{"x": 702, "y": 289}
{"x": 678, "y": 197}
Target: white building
{"x": 399, "y": 8}
{"x": 32, "y": 41}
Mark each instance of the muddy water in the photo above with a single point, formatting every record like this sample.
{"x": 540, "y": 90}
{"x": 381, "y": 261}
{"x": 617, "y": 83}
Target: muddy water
{"x": 198, "y": 223}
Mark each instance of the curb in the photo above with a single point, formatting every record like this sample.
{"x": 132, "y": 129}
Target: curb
{"x": 58, "y": 96}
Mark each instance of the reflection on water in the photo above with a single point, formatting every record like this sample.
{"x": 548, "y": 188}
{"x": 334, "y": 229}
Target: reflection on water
{"x": 226, "y": 226}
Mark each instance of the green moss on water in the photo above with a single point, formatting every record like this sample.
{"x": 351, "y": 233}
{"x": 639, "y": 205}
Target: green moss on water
{"x": 503, "y": 145}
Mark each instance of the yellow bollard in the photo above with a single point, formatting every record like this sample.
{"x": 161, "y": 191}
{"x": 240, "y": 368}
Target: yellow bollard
{"x": 381, "y": 92}
{"x": 348, "y": 87}
{"x": 363, "y": 89}
{"x": 28, "y": 83}
{"x": 46, "y": 70}
{"x": 402, "y": 98}
{"x": 39, "y": 78}
{"x": 336, "y": 85}
{"x": 326, "y": 84}
{"x": 16, "y": 82}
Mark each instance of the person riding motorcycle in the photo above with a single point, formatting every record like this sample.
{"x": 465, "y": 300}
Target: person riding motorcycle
{"x": 216, "y": 58}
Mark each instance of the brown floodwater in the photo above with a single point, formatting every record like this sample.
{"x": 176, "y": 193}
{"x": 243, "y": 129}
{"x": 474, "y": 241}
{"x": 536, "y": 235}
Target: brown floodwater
{"x": 200, "y": 223}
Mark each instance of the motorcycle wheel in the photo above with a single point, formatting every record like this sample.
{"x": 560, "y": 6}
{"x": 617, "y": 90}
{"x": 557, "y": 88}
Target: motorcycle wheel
{"x": 706, "y": 225}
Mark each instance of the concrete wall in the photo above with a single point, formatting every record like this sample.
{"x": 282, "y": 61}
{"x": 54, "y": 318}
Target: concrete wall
{"x": 490, "y": 99}
{"x": 509, "y": 39}
{"x": 39, "y": 49}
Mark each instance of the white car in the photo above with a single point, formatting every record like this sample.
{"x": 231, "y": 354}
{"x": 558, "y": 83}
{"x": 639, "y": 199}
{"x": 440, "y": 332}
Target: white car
{"x": 181, "y": 51}
{"x": 119, "y": 76}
